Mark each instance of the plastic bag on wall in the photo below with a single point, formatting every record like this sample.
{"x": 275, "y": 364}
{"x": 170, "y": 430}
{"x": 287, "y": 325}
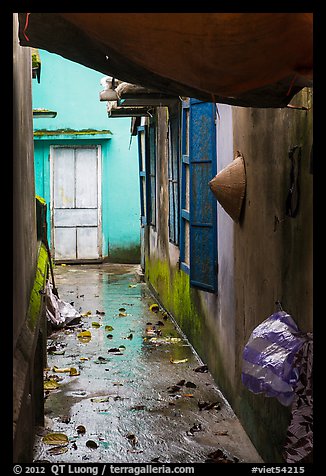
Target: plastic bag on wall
{"x": 268, "y": 358}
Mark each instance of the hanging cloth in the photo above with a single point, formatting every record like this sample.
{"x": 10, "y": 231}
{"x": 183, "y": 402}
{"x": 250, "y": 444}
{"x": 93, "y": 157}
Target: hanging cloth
{"x": 299, "y": 439}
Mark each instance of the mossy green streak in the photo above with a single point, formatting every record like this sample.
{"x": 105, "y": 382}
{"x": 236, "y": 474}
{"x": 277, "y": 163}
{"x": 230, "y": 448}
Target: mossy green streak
{"x": 39, "y": 285}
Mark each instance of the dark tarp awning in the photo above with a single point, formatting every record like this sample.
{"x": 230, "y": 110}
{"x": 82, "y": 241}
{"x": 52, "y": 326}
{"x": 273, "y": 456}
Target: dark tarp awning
{"x": 243, "y": 59}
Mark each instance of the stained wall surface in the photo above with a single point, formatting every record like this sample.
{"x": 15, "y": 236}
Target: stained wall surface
{"x": 266, "y": 257}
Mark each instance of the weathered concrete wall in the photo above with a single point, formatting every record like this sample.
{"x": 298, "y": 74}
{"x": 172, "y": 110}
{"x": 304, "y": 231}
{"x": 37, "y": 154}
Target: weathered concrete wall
{"x": 24, "y": 217}
{"x": 273, "y": 253}
{"x": 260, "y": 260}
{"x": 29, "y": 266}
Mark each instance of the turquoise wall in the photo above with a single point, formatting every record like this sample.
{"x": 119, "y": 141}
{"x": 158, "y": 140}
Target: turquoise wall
{"x": 72, "y": 90}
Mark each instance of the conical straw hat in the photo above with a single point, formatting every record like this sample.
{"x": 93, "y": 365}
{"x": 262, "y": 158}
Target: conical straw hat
{"x": 229, "y": 187}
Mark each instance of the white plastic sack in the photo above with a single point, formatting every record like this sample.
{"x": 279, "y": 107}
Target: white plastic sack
{"x": 58, "y": 312}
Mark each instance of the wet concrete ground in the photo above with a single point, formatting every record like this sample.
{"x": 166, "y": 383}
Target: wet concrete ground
{"x": 144, "y": 402}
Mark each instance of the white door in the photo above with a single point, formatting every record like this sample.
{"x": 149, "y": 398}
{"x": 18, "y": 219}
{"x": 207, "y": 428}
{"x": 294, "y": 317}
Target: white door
{"x": 76, "y": 203}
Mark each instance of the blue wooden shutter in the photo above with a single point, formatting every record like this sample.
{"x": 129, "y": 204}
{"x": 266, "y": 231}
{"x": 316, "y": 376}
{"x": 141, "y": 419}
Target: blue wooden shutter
{"x": 143, "y": 179}
{"x": 203, "y": 208}
{"x": 152, "y": 172}
{"x": 173, "y": 176}
{"x": 184, "y": 213}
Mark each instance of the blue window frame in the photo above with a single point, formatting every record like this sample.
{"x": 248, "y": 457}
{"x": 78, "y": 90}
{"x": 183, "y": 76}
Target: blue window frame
{"x": 143, "y": 157}
{"x": 185, "y": 190}
{"x": 173, "y": 175}
{"x": 198, "y": 247}
{"x": 152, "y": 171}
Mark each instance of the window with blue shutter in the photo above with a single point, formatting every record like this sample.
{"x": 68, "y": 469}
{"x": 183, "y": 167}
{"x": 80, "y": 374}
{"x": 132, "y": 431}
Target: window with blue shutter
{"x": 173, "y": 174}
{"x": 152, "y": 171}
{"x": 198, "y": 205}
{"x": 185, "y": 191}
{"x": 143, "y": 168}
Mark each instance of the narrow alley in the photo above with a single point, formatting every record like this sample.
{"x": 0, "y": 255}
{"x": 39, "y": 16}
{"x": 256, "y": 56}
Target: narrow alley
{"x": 130, "y": 388}
{"x": 162, "y": 240}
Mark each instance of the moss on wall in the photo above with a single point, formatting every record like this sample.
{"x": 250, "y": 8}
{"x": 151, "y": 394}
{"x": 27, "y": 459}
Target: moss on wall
{"x": 129, "y": 254}
{"x": 39, "y": 285}
{"x": 173, "y": 289}
{"x": 81, "y": 132}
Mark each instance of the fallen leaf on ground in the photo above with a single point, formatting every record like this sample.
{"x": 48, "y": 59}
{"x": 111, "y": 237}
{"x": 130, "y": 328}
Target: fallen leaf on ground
{"x": 81, "y": 430}
{"x": 114, "y": 349}
{"x": 154, "y": 307}
{"x": 122, "y": 309}
{"x": 56, "y": 352}
{"x": 194, "y": 429}
{"x": 83, "y": 359}
{"x": 91, "y": 444}
{"x": 174, "y": 389}
{"x": 55, "y": 439}
{"x": 57, "y": 450}
{"x": 96, "y": 324}
{"x": 165, "y": 340}
{"x": 130, "y": 336}
{"x": 201, "y": 369}
{"x": 209, "y": 405}
{"x": 51, "y": 385}
{"x": 150, "y": 331}
{"x": 74, "y": 372}
{"x": 100, "y": 313}
{"x": 220, "y": 456}
{"x": 100, "y": 399}
{"x": 221, "y": 433}
{"x": 65, "y": 419}
{"x": 86, "y": 314}
{"x": 84, "y": 336}
{"x": 188, "y": 395}
{"x": 108, "y": 328}
{"x": 178, "y": 361}
{"x": 61, "y": 371}
{"x": 122, "y": 314}
{"x": 132, "y": 285}
{"x": 109, "y": 336}
{"x": 132, "y": 439}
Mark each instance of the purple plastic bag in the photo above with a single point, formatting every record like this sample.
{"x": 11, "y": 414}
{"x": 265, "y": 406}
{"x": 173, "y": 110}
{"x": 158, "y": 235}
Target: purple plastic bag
{"x": 268, "y": 358}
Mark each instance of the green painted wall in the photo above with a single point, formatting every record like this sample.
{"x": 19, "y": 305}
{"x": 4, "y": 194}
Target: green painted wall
{"x": 72, "y": 91}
